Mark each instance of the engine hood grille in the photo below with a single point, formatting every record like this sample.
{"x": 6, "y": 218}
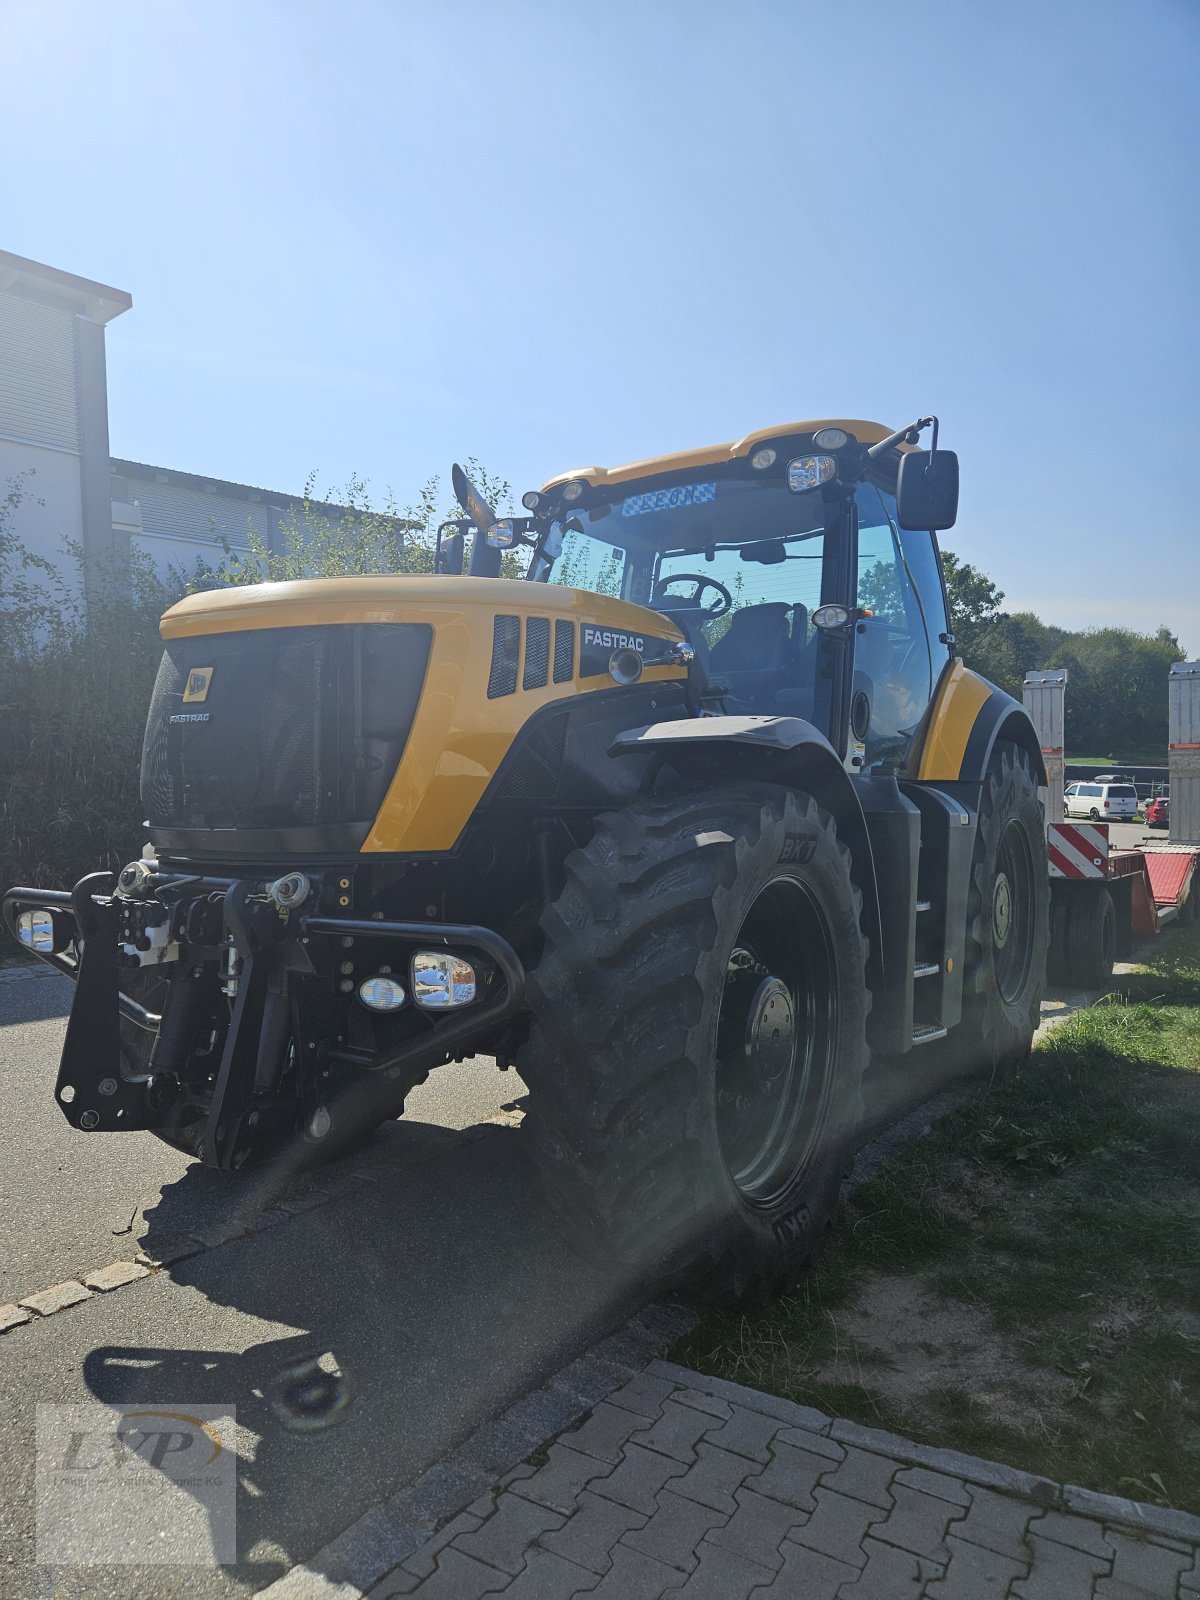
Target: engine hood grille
{"x": 281, "y": 728}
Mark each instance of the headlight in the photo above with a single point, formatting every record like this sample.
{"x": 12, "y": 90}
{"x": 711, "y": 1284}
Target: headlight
{"x": 440, "y": 981}
{"x": 381, "y": 994}
{"x": 809, "y": 472}
{"x": 35, "y": 929}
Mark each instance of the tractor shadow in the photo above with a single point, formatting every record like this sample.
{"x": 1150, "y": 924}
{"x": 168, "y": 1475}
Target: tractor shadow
{"x": 360, "y": 1339}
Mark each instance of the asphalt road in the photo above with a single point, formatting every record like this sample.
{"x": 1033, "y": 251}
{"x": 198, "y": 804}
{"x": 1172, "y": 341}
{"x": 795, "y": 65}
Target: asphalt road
{"x": 438, "y": 1290}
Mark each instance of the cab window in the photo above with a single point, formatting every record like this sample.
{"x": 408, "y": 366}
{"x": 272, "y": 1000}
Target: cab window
{"x": 899, "y": 651}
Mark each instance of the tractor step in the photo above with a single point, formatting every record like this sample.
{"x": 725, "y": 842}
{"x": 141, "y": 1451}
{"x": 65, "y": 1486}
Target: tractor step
{"x": 927, "y": 1032}
{"x": 926, "y": 969}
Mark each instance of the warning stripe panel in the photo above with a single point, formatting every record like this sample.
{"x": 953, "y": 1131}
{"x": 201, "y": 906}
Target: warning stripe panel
{"x": 1077, "y": 850}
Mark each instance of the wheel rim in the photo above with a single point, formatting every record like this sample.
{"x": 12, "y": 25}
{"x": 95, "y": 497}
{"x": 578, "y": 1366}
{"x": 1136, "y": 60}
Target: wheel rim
{"x": 1012, "y": 912}
{"x": 776, "y": 1042}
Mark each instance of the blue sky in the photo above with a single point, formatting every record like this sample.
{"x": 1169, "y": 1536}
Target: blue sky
{"x": 374, "y": 238}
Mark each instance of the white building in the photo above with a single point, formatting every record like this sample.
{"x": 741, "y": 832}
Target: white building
{"x": 54, "y": 439}
{"x": 54, "y": 406}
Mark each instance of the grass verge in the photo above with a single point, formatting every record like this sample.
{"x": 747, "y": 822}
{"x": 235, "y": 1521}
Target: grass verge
{"x": 1024, "y": 1283}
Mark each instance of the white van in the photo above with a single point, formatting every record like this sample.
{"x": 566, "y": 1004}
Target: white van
{"x": 1102, "y": 802}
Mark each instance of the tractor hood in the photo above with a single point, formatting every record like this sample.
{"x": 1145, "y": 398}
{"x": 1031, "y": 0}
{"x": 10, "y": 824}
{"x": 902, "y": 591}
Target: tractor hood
{"x": 365, "y": 714}
{"x": 387, "y": 597}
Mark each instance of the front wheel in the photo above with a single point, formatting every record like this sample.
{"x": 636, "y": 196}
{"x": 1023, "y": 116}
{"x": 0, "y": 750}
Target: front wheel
{"x": 698, "y": 1038}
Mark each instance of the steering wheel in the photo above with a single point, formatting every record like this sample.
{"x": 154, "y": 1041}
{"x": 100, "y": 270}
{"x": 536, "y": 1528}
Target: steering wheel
{"x": 699, "y": 583}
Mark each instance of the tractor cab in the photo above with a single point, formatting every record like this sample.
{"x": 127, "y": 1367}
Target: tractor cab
{"x": 801, "y": 584}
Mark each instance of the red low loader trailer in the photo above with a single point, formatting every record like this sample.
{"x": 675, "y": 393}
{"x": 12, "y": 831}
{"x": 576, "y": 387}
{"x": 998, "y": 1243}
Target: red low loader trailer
{"x": 1102, "y": 899}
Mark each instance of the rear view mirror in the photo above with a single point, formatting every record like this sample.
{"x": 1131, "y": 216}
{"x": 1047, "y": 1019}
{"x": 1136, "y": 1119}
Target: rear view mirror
{"x": 927, "y": 490}
{"x": 769, "y": 552}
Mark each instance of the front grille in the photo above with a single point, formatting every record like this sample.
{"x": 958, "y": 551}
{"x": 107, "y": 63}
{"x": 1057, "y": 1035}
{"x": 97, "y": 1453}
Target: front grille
{"x": 298, "y": 727}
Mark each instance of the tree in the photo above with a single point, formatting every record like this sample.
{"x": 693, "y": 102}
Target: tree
{"x": 1117, "y": 690}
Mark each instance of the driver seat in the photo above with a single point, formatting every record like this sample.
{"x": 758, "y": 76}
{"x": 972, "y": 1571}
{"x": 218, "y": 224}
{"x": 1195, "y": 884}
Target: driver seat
{"x": 757, "y": 639}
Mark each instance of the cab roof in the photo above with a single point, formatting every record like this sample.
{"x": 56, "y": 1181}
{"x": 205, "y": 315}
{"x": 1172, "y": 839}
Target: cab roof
{"x": 710, "y": 455}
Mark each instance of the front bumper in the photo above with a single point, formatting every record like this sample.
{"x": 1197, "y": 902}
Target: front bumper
{"x": 268, "y": 994}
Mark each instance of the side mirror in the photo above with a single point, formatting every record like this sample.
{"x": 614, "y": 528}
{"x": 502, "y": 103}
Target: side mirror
{"x": 451, "y": 554}
{"x": 927, "y": 490}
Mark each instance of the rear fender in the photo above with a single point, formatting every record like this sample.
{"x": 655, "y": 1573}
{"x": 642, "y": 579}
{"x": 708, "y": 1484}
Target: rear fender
{"x": 781, "y": 750}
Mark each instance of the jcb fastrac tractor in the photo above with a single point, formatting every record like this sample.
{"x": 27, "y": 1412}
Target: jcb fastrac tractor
{"x": 706, "y": 858}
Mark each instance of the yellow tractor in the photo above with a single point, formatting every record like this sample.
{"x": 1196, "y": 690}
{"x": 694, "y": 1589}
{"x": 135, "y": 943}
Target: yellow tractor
{"x": 693, "y": 855}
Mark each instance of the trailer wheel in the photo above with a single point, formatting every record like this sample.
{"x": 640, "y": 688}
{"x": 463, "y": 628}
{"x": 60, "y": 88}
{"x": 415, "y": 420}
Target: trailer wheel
{"x": 1091, "y": 942}
{"x": 1008, "y": 913}
{"x": 699, "y": 1038}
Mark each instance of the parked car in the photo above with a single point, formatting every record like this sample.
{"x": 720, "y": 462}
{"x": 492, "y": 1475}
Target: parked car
{"x": 1102, "y": 802}
{"x": 1157, "y": 812}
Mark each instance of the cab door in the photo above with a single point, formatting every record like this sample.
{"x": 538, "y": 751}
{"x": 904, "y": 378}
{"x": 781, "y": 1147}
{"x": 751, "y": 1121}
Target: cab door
{"x": 901, "y": 642}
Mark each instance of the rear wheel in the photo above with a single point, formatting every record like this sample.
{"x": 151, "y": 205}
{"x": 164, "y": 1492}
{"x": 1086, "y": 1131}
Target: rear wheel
{"x": 1007, "y": 920}
{"x": 1091, "y": 939}
{"x": 698, "y": 1037}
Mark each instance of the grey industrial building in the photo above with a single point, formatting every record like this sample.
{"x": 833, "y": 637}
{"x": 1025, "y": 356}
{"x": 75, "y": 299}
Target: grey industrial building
{"x": 54, "y": 441}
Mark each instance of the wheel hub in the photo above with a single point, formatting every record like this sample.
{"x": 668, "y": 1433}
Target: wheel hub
{"x": 1001, "y": 910}
{"x": 770, "y": 1033}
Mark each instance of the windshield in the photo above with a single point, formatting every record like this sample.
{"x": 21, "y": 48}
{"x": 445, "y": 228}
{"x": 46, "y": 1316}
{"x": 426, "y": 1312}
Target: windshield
{"x": 756, "y": 538}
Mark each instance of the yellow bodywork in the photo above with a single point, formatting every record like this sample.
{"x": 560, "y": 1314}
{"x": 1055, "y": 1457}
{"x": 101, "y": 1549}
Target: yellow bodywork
{"x": 459, "y": 737}
{"x": 959, "y": 699}
{"x": 713, "y": 454}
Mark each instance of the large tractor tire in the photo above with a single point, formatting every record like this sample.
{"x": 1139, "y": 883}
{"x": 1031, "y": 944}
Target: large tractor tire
{"x": 1008, "y": 916}
{"x": 698, "y": 1039}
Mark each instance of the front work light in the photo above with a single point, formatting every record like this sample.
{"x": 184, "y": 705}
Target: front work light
{"x": 810, "y": 472}
{"x": 830, "y": 438}
{"x": 830, "y": 617}
{"x": 440, "y": 981}
{"x": 531, "y": 499}
{"x": 381, "y": 994}
{"x": 762, "y": 459}
{"x": 572, "y": 491}
{"x": 35, "y": 929}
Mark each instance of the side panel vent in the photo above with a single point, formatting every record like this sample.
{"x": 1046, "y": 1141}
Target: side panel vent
{"x": 533, "y": 772}
{"x": 537, "y": 653}
{"x": 506, "y": 646}
{"x": 564, "y": 651}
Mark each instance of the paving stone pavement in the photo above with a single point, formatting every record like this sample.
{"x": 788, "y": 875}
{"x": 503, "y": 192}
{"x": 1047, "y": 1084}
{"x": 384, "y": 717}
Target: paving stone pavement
{"x": 678, "y": 1485}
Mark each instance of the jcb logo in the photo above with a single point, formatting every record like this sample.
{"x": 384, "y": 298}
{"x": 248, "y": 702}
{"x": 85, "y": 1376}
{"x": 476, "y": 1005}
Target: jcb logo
{"x": 798, "y": 848}
{"x": 198, "y": 681}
